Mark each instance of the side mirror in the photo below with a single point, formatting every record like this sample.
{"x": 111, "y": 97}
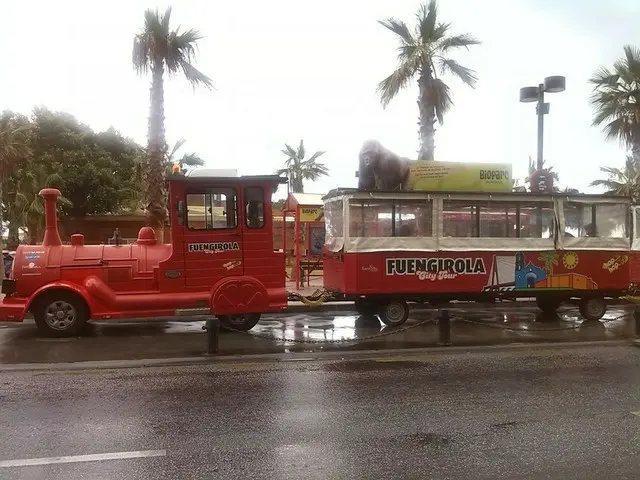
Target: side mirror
{"x": 181, "y": 211}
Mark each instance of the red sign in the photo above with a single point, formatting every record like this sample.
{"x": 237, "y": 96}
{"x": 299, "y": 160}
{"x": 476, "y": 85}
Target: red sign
{"x": 541, "y": 181}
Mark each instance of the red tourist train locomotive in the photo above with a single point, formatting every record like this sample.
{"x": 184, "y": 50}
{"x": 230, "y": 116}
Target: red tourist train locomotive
{"x": 382, "y": 250}
{"x": 220, "y": 259}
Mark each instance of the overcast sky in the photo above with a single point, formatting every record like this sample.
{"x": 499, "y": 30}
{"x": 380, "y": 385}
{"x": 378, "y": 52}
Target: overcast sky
{"x": 291, "y": 69}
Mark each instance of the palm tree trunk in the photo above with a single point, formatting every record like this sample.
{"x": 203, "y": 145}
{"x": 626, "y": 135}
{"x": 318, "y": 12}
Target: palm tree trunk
{"x": 427, "y": 118}
{"x": 33, "y": 235}
{"x": 635, "y": 150}
{"x": 1, "y": 222}
{"x": 13, "y": 238}
{"x": 156, "y": 151}
{"x": 296, "y": 183}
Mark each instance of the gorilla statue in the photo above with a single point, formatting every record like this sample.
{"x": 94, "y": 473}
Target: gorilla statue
{"x": 381, "y": 169}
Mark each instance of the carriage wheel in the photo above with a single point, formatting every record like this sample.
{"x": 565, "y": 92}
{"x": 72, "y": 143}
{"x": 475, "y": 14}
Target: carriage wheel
{"x": 394, "y": 313}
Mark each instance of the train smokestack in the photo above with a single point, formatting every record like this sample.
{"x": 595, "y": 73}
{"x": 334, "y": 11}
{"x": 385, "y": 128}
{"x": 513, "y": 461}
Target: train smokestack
{"x": 51, "y": 235}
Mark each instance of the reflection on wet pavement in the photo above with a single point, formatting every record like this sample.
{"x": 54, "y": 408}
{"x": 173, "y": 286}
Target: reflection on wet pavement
{"x": 312, "y": 332}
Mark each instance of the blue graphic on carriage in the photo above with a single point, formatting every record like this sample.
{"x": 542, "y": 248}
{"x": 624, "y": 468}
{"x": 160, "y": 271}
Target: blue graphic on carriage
{"x": 526, "y": 275}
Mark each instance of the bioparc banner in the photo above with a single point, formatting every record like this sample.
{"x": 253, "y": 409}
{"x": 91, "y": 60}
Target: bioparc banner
{"x": 455, "y": 176}
{"x": 311, "y": 214}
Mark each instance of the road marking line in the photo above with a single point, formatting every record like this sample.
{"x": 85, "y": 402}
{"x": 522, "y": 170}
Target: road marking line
{"x": 27, "y": 462}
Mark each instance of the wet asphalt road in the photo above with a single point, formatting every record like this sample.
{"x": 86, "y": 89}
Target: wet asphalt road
{"x": 311, "y": 332}
{"x": 517, "y": 414}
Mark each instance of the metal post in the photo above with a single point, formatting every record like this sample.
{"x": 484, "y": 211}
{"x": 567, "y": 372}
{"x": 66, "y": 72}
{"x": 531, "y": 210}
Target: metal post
{"x": 636, "y": 318}
{"x": 213, "y": 335}
{"x": 540, "y": 110}
{"x": 444, "y": 327}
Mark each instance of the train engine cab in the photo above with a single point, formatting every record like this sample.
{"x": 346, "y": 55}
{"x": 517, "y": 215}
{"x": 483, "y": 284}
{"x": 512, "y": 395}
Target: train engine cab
{"x": 220, "y": 261}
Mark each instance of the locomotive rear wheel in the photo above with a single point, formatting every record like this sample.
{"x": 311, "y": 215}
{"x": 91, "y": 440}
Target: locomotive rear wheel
{"x": 394, "y": 313}
{"x": 243, "y": 322}
{"x": 60, "y": 314}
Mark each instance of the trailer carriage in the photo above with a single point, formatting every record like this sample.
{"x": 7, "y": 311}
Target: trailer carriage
{"x": 385, "y": 250}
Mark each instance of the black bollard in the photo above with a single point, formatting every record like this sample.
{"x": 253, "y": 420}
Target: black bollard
{"x": 636, "y": 318}
{"x": 444, "y": 326}
{"x": 213, "y": 335}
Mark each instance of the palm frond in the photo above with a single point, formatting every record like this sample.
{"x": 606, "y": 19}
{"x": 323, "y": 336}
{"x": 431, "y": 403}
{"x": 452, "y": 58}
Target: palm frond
{"x": 316, "y": 155}
{"x": 427, "y": 16}
{"x": 440, "y": 93}
{"x": 400, "y": 29}
{"x": 176, "y": 146}
{"x": 458, "y": 41}
{"x": 290, "y": 151}
{"x": 468, "y": 76}
{"x": 195, "y": 76}
{"x": 191, "y": 160}
{"x": 395, "y": 82}
{"x": 616, "y": 98}
{"x": 602, "y": 76}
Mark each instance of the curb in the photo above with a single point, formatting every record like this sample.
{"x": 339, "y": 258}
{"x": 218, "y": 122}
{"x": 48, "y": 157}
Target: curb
{"x": 221, "y": 360}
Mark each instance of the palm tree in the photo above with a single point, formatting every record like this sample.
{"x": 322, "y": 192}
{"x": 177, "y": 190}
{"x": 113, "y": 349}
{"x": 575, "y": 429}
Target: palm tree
{"x": 423, "y": 54}
{"x": 625, "y": 181}
{"x": 550, "y": 259}
{"x": 188, "y": 160}
{"x": 156, "y": 48}
{"x": 299, "y": 169}
{"x": 14, "y": 147}
{"x": 616, "y": 100}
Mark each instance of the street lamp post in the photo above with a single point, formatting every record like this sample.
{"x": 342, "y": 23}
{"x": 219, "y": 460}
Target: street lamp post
{"x": 553, "y": 84}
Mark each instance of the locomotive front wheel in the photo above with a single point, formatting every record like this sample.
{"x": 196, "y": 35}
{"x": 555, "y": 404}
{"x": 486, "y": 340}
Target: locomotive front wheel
{"x": 394, "y": 313}
{"x": 593, "y": 308}
{"x": 60, "y": 314}
{"x": 242, "y": 322}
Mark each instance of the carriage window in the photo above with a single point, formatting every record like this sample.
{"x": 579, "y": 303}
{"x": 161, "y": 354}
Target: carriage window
{"x": 333, "y": 218}
{"x": 588, "y": 220}
{"x": 370, "y": 219}
{"x": 459, "y": 219}
{"x": 254, "y": 207}
{"x": 537, "y": 220}
{"x": 413, "y": 219}
{"x": 212, "y": 210}
{"x": 498, "y": 219}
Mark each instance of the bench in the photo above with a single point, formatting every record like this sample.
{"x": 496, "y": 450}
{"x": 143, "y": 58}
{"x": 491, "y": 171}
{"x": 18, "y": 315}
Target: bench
{"x": 308, "y": 266}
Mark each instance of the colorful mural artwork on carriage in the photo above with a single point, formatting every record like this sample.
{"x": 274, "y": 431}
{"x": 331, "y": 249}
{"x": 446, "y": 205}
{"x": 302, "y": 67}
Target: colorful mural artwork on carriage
{"x": 531, "y": 275}
{"x": 540, "y": 273}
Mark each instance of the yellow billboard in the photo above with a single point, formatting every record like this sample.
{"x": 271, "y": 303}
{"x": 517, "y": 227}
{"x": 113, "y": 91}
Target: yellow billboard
{"x": 311, "y": 214}
{"x": 454, "y": 176}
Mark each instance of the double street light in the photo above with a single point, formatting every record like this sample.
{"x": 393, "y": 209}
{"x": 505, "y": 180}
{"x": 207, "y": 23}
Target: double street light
{"x": 552, "y": 84}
